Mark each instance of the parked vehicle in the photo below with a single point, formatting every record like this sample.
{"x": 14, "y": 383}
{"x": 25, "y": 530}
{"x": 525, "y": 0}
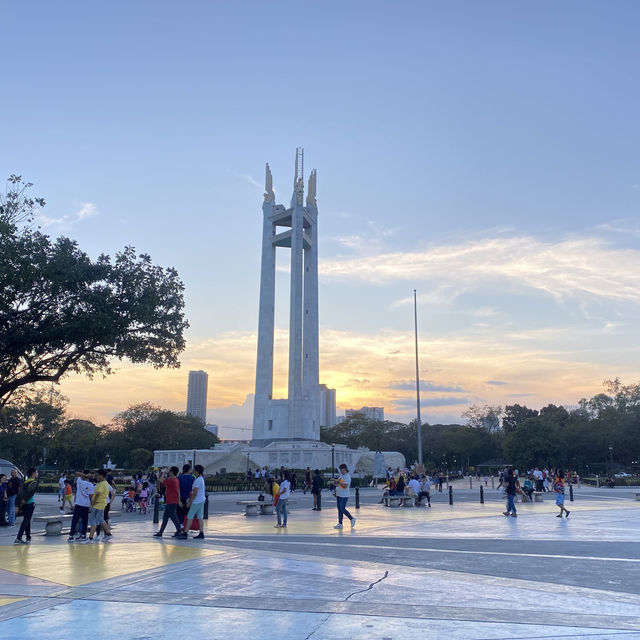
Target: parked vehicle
{"x": 6, "y": 467}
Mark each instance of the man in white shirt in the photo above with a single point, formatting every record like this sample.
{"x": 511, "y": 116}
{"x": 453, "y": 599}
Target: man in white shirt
{"x": 80, "y": 520}
{"x": 342, "y": 485}
{"x": 283, "y": 501}
{"x": 425, "y": 489}
{"x": 196, "y": 504}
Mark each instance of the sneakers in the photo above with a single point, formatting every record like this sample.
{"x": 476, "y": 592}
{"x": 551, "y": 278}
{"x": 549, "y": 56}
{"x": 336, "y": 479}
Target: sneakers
{"x": 157, "y": 534}
{"x": 505, "y": 513}
{"x": 338, "y": 526}
{"x": 71, "y": 539}
{"x": 567, "y": 515}
{"x": 88, "y": 541}
{"x": 353, "y": 522}
{"x": 278, "y": 526}
{"x": 183, "y": 535}
{"x": 559, "y": 515}
{"x": 200, "y": 536}
{"x": 108, "y": 538}
{"x": 20, "y": 541}
{"x": 514, "y": 515}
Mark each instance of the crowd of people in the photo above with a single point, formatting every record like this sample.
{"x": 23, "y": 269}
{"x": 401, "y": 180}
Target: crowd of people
{"x": 88, "y": 495}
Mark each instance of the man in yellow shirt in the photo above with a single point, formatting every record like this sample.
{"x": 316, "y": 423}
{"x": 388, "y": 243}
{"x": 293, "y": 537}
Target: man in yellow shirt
{"x": 99, "y": 500}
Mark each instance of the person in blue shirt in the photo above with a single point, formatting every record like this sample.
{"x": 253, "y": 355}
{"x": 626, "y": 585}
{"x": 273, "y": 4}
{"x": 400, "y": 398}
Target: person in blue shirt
{"x": 185, "y": 479}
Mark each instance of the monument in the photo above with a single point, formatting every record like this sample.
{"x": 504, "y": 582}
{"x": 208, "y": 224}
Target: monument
{"x": 286, "y": 432}
{"x": 296, "y": 228}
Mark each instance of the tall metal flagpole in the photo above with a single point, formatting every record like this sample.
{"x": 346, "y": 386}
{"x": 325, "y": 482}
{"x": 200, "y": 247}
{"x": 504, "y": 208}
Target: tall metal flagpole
{"x": 415, "y": 316}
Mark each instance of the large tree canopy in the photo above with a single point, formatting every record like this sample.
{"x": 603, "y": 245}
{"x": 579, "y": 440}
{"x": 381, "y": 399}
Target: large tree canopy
{"x": 62, "y": 312}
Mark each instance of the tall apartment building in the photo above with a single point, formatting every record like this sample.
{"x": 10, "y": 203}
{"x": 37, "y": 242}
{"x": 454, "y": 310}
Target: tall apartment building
{"x": 197, "y": 394}
{"x": 327, "y": 406}
{"x": 372, "y": 413}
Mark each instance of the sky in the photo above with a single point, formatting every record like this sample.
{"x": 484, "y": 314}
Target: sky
{"x": 485, "y": 154}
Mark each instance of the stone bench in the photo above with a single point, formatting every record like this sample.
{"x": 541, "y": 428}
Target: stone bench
{"x": 538, "y": 496}
{"x": 53, "y": 524}
{"x": 256, "y": 507}
{"x": 399, "y": 501}
{"x": 637, "y": 495}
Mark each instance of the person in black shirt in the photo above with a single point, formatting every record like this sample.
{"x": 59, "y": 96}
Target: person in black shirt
{"x": 512, "y": 485}
{"x": 316, "y": 488}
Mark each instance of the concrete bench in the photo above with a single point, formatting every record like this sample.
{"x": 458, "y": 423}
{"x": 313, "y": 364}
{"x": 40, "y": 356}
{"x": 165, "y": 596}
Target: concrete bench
{"x": 53, "y": 524}
{"x": 637, "y": 495}
{"x": 538, "y": 496}
{"x": 398, "y": 501}
{"x": 256, "y": 507}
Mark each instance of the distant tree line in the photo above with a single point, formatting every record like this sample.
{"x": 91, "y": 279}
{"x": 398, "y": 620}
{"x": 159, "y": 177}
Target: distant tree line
{"x": 37, "y": 430}
{"x": 601, "y": 432}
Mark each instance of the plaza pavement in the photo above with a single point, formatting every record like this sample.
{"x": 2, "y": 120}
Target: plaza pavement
{"x": 461, "y": 572}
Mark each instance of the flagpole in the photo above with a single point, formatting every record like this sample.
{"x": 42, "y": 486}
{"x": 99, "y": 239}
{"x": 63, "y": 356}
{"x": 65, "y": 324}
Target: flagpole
{"x": 415, "y": 317}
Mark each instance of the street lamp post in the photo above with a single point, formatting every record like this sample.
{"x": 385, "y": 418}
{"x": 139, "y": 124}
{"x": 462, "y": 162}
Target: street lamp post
{"x": 611, "y": 456}
{"x": 333, "y": 454}
{"x": 415, "y": 316}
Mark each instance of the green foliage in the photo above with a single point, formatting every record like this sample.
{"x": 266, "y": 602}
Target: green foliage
{"x": 144, "y": 426}
{"x": 440, "y": 443}
{"x": 62, "y": 312}
{"x": 37, "y": 429}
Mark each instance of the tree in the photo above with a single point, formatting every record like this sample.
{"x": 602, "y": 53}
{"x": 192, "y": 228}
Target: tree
{"x": 515, "y": 414}
{"x": 145, "y": 426}
{"x": 79, "y": 444}
{"x": 61, "y": 312}
{"x": 485, "y": 417}
{"x": 28, "y": 428}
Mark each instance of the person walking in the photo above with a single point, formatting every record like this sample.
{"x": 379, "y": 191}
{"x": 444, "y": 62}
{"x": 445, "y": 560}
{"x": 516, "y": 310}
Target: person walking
{"x": 511, "y": 485}
{"x": 171, "y": 501}
{"x": 26, "y": 501}
{"x": 316, "y": 490}
{"x": 99, "y": 501}
{"x": 13, "y": 489}
{"x": 342, "y": 487}
{"x": 283, "y": 500}
{"x": 558, "y": 487}
{"x": 196, "y": 504}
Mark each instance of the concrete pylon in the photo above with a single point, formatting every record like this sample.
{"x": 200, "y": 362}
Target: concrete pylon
{"x": 298, "y": 416}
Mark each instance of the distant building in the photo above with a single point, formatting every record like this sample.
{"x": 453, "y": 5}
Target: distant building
{"x": 371, "y": 413}
{"x": 197, "y": 394}
{"x": 327, "y": 406}
{"x": 212, "y": 428}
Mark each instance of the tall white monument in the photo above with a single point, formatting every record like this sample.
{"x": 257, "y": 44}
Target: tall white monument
{"x": 298, "y": 416}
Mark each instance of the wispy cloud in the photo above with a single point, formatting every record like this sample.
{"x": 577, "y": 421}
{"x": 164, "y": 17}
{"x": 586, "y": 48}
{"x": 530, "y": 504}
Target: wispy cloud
{"x": 572, "y": 268}
{"x": 496, "y": 383}
{"x": 624, "y": 226}
{"x": 84, "y": 211}
{"x": 425, "y": 385}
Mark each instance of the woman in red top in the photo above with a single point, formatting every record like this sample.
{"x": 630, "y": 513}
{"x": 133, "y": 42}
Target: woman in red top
{"x": 171, "y": 486}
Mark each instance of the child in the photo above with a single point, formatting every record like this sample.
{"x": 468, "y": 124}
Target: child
{"x": 67, "y": 497}
{"x": 144, "y": 494}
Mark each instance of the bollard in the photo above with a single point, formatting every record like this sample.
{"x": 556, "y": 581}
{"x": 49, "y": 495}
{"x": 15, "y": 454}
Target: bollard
{"x": 570, "y": 493}
{"x": 358, "y": 497}
{"x": 451, "y": 495}
{"x": 470, "y": 483}
{"x": 320, "y": 500}
{"x": 597, "y": 482}
{"x": 206, "y": 506}
{"x": 493, "y": 486}
{"x": 481, "y": 494}
{"x": 156, "y": 510}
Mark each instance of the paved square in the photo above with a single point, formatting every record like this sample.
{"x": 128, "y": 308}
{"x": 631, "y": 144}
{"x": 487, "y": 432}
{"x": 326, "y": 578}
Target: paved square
{"x": 461, "y": 572}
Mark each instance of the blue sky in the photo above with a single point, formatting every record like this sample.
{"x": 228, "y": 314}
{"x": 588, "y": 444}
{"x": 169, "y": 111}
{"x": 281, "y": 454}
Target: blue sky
{"x": 485, "y": 154}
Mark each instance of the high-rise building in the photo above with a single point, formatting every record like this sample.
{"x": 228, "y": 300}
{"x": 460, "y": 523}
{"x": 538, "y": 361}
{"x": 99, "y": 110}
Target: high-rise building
{"x": 371, "y": 413}
{"x": 327, "y": 406}
{"x": 197, "y": 394}
{"x": 298, "y": 416}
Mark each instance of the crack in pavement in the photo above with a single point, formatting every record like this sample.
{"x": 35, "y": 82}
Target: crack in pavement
{"x": 373, "y": 584}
